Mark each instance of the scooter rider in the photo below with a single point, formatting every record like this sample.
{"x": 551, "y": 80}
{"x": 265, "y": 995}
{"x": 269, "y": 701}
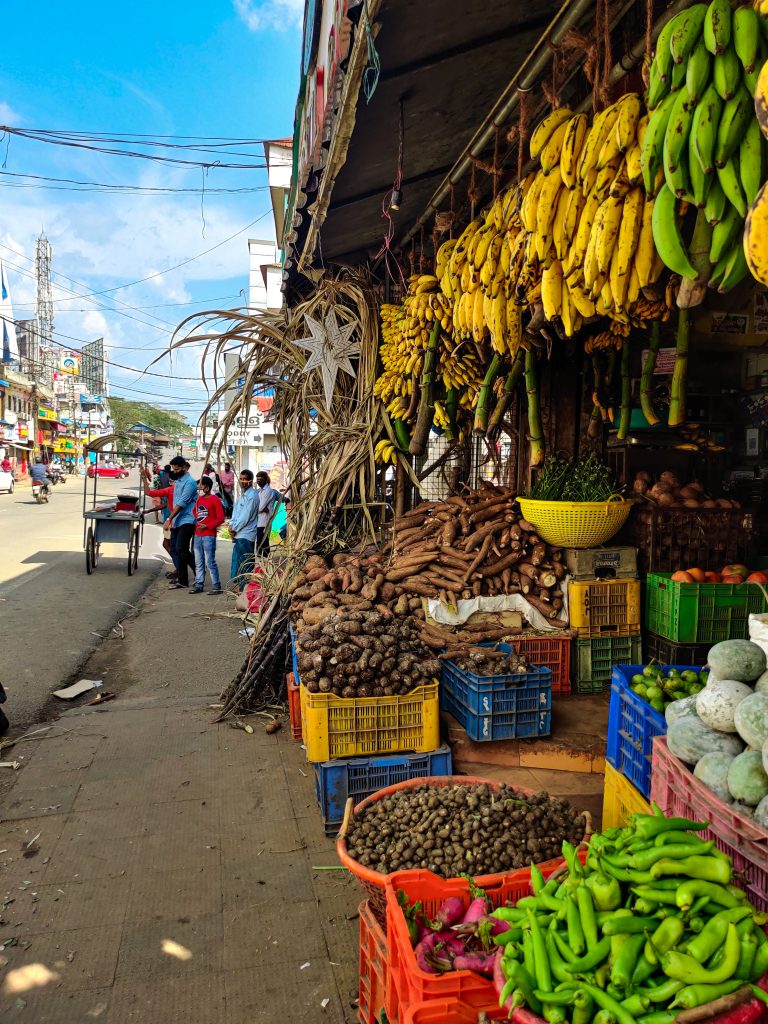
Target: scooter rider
{"x": 39, "y": 475}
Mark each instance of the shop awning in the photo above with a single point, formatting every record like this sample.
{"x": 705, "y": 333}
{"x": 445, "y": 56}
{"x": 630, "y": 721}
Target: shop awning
{"x": 4, "y": 384}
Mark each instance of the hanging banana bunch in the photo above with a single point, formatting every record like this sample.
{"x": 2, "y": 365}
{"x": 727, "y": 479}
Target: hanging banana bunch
{"x": 702, "y": 147}
{"x": 756, "y": 228}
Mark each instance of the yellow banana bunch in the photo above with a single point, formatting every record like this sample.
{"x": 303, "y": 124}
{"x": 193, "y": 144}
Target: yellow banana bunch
{"x": 385, "y": 451}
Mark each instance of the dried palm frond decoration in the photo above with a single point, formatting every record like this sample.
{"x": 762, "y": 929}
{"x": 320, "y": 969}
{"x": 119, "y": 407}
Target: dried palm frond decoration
{"x": 328, "y": 445}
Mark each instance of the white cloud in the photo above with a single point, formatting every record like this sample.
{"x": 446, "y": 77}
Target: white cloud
{"x": 9, "y": 116}
{"x": 266, "y": 14}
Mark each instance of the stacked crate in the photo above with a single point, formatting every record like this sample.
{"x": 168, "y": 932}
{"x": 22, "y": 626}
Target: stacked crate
{"x": 358, "y": 746}
{"x": 604, "y": 611}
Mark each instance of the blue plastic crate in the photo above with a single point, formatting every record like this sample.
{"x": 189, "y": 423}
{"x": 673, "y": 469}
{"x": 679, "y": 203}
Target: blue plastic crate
{"x": 632, "y": 726}
{"x": 498, "y": 707}
{"x": 358, "y": 777}
{"x": 294, "y": 653}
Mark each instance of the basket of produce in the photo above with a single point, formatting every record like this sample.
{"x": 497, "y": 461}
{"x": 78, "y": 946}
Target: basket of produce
{"x": 692, "y": 606}
{"x": 507, "y": 828}
{"x": 639, "y": 696}
{"x": 714, "y": 758}
{"x": 573, "y": 503}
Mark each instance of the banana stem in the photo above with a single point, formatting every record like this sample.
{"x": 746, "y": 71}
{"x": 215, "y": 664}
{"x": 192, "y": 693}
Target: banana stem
{"x": 483, "y": 409}
{"x": 646, "y": 379}
{"x": 402, "y": 435}
{"x": 452, "y": 409}
{"x": 626, "y": 394}
{"x": 535, "y": 434}
{"x": 510, "y": 386}
{"x": 426, "y": 413}
{"x": 678, "y": 394}
{"x": 595, "y": 422}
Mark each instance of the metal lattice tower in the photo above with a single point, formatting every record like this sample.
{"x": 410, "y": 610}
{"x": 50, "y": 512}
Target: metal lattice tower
{"x": 44, "y": 302}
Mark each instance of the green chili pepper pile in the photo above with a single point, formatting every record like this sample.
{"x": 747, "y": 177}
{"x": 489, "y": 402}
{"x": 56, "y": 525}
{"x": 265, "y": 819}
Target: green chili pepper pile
{"x": 649, "y": 926}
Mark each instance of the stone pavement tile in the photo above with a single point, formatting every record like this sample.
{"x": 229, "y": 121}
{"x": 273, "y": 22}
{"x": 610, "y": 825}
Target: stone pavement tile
{"x": 61, "y": 753}
{"x": 83, "y": 958}
{"x": 186, "y": 742}
{"x": 316, "y": 843}
{"x": 90, "y": 856}
{"x": 272, "y": 932}
{"x": 87, "y": 904}
{"x": 171, "y": 851}
{"x": 174, "y": 894}
{"x": 107, "y": 823}
{"x": 251, "y": 881}
{"x": 115, "y": 769}
{"x": 37, "y": 802}
{"x": 347, "y": 978}
{"x": 335, "y": 885}
{"x": 262, "y": 797}
{"x": 182, "y": 816}
{"x": 53, "y": 1006}
{"x": 271, "y": 997}
{"x": 259, "y": 838}
{"x": 19, "y": 839}
{"x": 192, "y": 999}
{"x": 108, "y": 793}
{"x": 340, "y": 922}
{"x": 169, "y": 949}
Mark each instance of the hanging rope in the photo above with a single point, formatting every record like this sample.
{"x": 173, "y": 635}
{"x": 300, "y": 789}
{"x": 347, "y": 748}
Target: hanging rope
{"x": 421, "y": 250}
{"x": 522, "y": 129}
{"x": 552, "y": 90}
{"x": 648, "y": 41}
{"x": 577, "y": 41}
{"x": 596, "y": 105}
{"x": 473, "y": 193}
{"x": 606, "y": 89}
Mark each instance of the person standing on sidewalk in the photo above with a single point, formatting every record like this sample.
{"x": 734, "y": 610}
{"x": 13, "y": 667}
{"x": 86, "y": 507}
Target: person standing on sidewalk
{"x": 182, "y": 521}
{"x": 209, "y": 516}
{"x": 269, "y": 499}
{"x": 227, "y": 487}
{"x": 242, "y": 527}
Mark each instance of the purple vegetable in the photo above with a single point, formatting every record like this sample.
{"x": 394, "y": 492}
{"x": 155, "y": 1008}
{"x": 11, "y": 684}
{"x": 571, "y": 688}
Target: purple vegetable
{"x": 480, "y": 963}
{"x": 476, "y": 910}
{"x": 422, "y": 951}
{"x": 451, "y": 912}
{"x": 497, "y": 926}
{"x": 436, "y": 952}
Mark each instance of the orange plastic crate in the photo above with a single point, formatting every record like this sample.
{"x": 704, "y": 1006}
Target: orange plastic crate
{"x": 407, "y": 985}
{"x": 552, "y": 652}
{"x": 373, "y": 967}
{"x": 440, "y": 1011}
{"x": 294, "y": 706}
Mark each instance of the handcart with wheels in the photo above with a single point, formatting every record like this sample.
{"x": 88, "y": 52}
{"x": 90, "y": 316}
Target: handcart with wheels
{"x": 111, "y": 520}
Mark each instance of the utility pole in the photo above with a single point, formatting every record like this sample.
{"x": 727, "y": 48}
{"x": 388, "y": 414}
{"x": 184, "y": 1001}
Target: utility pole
{"x": 43, "y": 314}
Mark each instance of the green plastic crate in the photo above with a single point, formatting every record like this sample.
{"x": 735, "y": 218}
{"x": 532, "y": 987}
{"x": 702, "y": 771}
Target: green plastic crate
{"x": 595, "y": 660}
{"x": 698, "y": 613}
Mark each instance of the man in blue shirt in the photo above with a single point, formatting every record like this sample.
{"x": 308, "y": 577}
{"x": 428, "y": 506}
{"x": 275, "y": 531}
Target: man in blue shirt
{"x": 182, "y": 520}
{"x": 242, "y": 527}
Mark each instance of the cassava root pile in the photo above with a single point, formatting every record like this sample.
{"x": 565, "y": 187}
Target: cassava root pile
{"x": 453, "y": 830}
{"x": 485, "y": 661}
{"x": 363, "y": 654}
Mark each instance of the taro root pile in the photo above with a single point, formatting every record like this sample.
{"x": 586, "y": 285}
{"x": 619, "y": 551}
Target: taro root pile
{"x": 455, "y": 830}
{"x": 668, "y": 492}
{"x": 364, "y": 654}
{"x": 474, "y": 544}
{"x": 484, "y": 661}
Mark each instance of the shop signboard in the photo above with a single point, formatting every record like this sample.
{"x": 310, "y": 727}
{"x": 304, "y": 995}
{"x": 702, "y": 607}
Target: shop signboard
{"x": 70, "y": 363}
{"x": 44, "y": 413}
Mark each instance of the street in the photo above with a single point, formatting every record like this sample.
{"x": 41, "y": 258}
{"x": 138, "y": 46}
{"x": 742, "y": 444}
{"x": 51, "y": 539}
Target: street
{"x": 52, "y": 612}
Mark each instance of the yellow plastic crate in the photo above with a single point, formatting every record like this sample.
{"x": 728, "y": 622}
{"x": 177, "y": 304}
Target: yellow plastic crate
{"x": 336, "y": 727}
{"x": 621, "y": 800}
{"x": 600, "y": 607}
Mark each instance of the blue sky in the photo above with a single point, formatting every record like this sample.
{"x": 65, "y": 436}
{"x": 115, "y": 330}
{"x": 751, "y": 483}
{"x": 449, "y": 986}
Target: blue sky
{"x": 225, "y": 68}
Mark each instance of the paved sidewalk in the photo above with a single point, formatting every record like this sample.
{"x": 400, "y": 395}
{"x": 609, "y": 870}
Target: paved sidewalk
{"x": 156, "y": 868}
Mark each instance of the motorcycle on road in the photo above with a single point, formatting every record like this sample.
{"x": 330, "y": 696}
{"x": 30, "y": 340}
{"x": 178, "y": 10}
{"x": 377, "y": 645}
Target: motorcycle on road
{"x": 41, "y": 492}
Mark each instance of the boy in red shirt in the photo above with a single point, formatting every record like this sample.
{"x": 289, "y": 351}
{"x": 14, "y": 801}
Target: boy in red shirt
{"x": 209, "y": 516}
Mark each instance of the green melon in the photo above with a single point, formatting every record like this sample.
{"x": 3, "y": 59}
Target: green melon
{"x": 737, "y": 659}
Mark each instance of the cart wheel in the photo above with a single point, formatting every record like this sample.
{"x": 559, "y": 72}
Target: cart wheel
{"x": 136, "y": 546}
{"x": 133, "y": 552}
{"x": 90, "y": 552}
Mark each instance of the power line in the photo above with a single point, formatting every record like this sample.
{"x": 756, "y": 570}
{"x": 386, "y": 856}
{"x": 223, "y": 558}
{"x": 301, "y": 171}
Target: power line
{"x": 157, "y": 305}
{"x": 100, "y": 186}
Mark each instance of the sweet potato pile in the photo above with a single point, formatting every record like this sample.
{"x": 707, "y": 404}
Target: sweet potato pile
{"x": 485, "y": 661}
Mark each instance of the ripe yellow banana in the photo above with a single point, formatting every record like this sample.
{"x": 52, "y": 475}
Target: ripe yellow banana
{"x": 573, "y": 143}
{"x": 543, "y": 131}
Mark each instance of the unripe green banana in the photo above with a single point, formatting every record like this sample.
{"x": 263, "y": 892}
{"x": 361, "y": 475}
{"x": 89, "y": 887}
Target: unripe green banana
{"x": 663, "y": 56}
{"x": 751, "y": 77}
{"x": 687, "y": 32}
{"x": 700, "y": 182}
{"x": 724, "y": 233}
{"x": 653, "y": 141}
{"x": 676, "y": 174}
{"x": 658, "y": 87}
{"x": 751, "y": 161}
{"x": 706, "y": 118}
{"x": 746, "y": 36}
{"x": 737, "y": 113}
{"x": 717, "y": 26}
{"x": 678, "y": 76}
{"x": 736, "y": 267}
{"x": 717, "y": 201}
{"x": 698, "y": 72}
{"x": 726, "y": 73}
{"x": 730, "y": 182}
{"x": 666, "y": 234}
{"x": 678, "y": 129}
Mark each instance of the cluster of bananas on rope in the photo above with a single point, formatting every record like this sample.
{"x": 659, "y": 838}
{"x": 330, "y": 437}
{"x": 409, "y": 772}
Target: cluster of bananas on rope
{"x": 385, "y": 451}
{"x": 703, "y": 145}
{"x": 756, "y": 228}
{"x": 589, "y": 214}
{"x": 487, "y": 275}
{"x": 603, "y": 341}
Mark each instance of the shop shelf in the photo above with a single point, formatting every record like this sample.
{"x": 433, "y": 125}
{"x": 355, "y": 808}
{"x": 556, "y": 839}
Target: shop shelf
{"x": 677, "y": 791}
{"x": 498, "y": 707}
{"x": 373, "y": 967}
{"x": 601, "y": 563}
{"x": 666, "y": 652}
{"x": 440, "y": 1011}
{"x": 668, "y": 539}
{"x": 408, "y": 985}
{"x": 337, "y": 781}
{"x": 632, "y": 726}
{"x": 697, "y": 613}
{"x": 599, "y": 606}
{"x": 294, "y": 705}
{"x": 549, "y": 650}
{"x": 336, "y": 727}
{"x": 594, "y": 660}
{"x": 621, "y": 800}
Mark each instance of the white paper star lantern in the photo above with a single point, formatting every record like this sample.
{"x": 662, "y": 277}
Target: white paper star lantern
{"x": 329, "y": 350}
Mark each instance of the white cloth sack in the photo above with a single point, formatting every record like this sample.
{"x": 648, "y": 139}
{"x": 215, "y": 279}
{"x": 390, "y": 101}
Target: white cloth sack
{"x": 758, "y": 631}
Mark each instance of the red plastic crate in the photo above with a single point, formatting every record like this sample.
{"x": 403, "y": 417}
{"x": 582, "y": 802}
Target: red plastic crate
{"x": 294, "y": 706}
{"x": 407, "y": 985}
{"x": 373, "y": 967}
{"x": 678, "y": 792}
{"x": 440, "y": 1011}
{"x": 552, "y": 652}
